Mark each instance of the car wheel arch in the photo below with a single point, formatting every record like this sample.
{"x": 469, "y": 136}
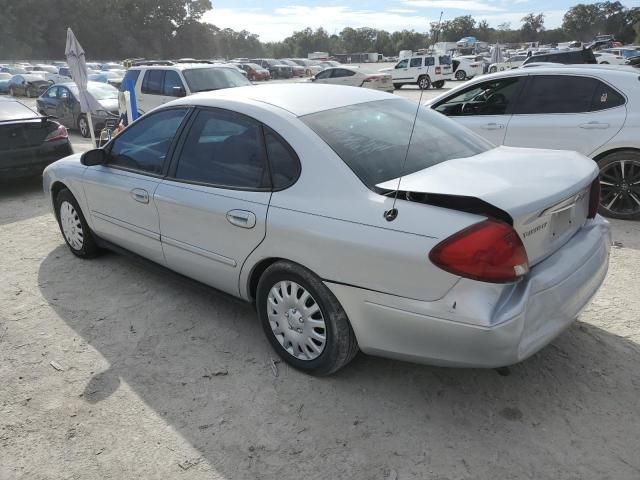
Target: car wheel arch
{"x": 258, "y": 270}
{"x": 601, "y": 155}
{"x": 56, "y": 188}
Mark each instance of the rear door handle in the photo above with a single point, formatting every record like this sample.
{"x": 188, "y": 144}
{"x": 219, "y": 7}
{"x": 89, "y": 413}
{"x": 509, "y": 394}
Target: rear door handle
{"x": 493, "y": 126}
{"x": 140, "y": 195}
{"x": 594, "y": 126}
{"x": 241, "y": 218}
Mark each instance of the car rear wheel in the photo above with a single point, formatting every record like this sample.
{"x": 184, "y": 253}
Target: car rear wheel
{"x": 83, "y": 126}
{"x": 493, "y": 70}
{"x": 461, "y": 75}
{"x": 620, "y": 185}
{"x": 424, "y": 82}
{"x": 74, "y": 227}
{"x": 397, "y": 86}
{"x": 303, "y": 320}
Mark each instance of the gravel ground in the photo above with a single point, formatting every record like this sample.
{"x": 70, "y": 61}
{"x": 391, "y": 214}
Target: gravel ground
{"x": 117, "y": 369}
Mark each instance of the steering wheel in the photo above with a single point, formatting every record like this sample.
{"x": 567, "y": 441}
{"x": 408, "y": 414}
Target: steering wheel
{"x": 467, "y": 108}
{"x": 496, "y": 98}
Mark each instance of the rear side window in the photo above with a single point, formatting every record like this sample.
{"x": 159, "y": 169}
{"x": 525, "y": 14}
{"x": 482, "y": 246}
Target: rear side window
{"x": 224, "y": 149}
{"x": 416, "y": 62}
{"x": 606, "y": 97}
{"x": 557, "y": 94}
{"x": 429, "y": 62}
{"x": 130, "y": 75}
{"x": 283, "y": 161}
{"x": 152, "y": 83}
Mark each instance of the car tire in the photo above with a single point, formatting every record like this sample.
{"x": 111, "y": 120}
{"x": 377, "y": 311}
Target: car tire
{"x": 74, "y": 227}
{"x": 620, "y": 198}
{"x": 438, "y": 84}
{"x": 12, "y": 92}
{"x": 461, "y": 75}
{"x": 327, "y": 330}
{"x": 424, "y": 82}
{"x": 493, "y": 70}
{"x": 397, "y": 86}
{"x": 83, "y": 126}
{"x": 604, "y": 63}
{"x": 27, "y": 92}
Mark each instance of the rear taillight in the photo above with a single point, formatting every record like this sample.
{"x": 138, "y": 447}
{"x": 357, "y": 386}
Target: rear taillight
{"x": 438, "y": 70}
{"x": 474, "y": 65}
{"x": 594, "y": 198}
{"x": 489, "y": 251}
{"x": 58, "y": 134}
{"x": 369, "y": 79}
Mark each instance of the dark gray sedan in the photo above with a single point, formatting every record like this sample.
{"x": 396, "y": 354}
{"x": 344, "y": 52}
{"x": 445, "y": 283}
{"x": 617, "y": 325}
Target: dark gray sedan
{"x": 61, "y": 101}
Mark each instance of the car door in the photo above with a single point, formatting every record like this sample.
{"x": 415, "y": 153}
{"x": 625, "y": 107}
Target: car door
{"x": 324, "y": 76}
{"x": 48, "y": 102}
{"x": 151, "y": 93}
{"x": 567, "y": 112}
{"x": 342, "y": 76}
{"x": 120, "y": 192}
{"x": 416, "y": 68}
{"x": 67, "y": 107}
{"x": 213, "y": 205}
{"x": 484, "y": 107}
{"x": 400, "y": 72}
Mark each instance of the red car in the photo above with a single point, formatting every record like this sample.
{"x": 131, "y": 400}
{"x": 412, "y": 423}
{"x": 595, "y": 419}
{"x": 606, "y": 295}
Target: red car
{"x": 255, "y": 71}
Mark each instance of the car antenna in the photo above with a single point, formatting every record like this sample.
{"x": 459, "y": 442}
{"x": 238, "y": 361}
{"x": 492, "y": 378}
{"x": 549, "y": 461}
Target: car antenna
{"x": 391, "y": 214}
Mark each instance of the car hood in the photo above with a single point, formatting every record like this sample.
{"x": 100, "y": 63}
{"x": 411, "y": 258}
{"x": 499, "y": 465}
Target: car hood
{"x": 386, "y": 70}
{"x": 110, "y": 105}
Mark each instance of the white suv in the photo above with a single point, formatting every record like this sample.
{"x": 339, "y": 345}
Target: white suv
{"x": 159, "y": 84}
{"x": 422, "y": 70}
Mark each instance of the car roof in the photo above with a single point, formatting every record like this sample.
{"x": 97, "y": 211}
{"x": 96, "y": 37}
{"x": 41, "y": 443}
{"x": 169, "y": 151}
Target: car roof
{"x": 297, "y": 98}
{"x": 566, "y": 68}
{"x": 181, "y": 66}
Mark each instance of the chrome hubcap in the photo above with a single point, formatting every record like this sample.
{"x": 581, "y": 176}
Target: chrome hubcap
{"x": 620, "y": 187}
{"x": 83, "y": 126}
{"x": 71, "y": 225}
{"x": 296, "y": 320}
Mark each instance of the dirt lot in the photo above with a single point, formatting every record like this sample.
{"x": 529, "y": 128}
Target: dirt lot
{"x": 117, "y": 369}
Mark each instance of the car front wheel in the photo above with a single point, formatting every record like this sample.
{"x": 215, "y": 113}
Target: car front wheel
{"x": 620, "y": 185}
{"x": 83, "y": 126}
{"x": 74, "y": 227}
{"x": 461, "y": 75}
{"x": 303, "y": 320}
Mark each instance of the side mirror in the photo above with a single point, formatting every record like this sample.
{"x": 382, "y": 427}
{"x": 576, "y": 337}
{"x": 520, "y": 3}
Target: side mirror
{"x": 179, "y": 92}
{"x": 93, "y": 157}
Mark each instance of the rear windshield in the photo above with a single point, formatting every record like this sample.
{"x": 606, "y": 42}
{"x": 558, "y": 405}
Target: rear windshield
{"x": 372, "y": 138}
{"x": 444, "y": 60}
{"x": 12, "y": 110}
{"x": 205, "y": 79}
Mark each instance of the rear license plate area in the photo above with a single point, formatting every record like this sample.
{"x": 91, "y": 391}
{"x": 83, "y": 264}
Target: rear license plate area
{"x": 561, "y": 223}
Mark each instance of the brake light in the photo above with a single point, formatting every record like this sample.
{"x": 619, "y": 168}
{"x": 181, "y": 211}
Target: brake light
{"x": 474, "y": 65}
{"x": 58, "y": 134}
{"x": 438, "y": 70}
{"x": 594, "y": 198}
{"x": 369, "y": 79}
{"x": 489, "y": 251}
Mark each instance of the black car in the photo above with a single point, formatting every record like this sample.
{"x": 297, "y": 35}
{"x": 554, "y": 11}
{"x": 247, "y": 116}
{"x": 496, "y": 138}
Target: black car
{"x": 28, "y": 85}
{"x": 28, "y": 141}
{"x": 571, "y": 57}
{"x": 276, "y": 68}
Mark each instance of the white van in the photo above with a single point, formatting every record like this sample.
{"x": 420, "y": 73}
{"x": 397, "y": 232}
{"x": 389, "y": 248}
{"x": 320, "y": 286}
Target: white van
{"x": 159, "y": 84}
{"x": 422, "y": 70}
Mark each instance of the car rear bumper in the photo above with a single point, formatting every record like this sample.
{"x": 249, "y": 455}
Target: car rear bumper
{"x": 31, "y": 162}
{"x": 484, "y": 325}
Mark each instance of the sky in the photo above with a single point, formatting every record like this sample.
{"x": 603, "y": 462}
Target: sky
{"x": 275, "y": 20}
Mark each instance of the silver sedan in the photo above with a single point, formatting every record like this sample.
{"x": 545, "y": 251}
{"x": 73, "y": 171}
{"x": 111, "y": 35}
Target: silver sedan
{"x": 353, "y": 219}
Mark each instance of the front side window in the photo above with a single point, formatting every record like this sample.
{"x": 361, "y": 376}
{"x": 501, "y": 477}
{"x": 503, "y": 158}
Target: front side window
{"x": 144, "y": 145}
{"x": 152, "y": 82}
{"x": 172, "y": 84}
{"x": 416, "y": 62}
{"x": 372, "y": 138}
{"x": 544, "y": 94}
{"x": 403, "y": 63}
{"x": 52, "y": 93}
{"x": 324, "y": 74}
{"x": 224, "y": 149}
{"x": 495, "y": 97}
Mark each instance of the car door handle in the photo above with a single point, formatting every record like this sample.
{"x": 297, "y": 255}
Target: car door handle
{"x": 241, "y": 218}
{"x": 493, "y": 126}
{"x": 140, "y": 195}
{"x": 594, "y": 126}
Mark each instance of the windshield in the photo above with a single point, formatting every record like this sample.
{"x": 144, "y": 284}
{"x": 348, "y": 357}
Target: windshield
{"x": 372, "y": 138}
{"x": 205, "y": 79}
{"x": 255, "y": 66}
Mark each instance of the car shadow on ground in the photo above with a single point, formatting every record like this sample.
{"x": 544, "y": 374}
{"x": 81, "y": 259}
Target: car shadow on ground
{"x": 199, "y": 359}
{"x": 21, "y": 199}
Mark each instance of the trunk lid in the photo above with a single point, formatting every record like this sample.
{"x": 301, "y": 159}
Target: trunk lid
{"x": 545, "y": 192}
